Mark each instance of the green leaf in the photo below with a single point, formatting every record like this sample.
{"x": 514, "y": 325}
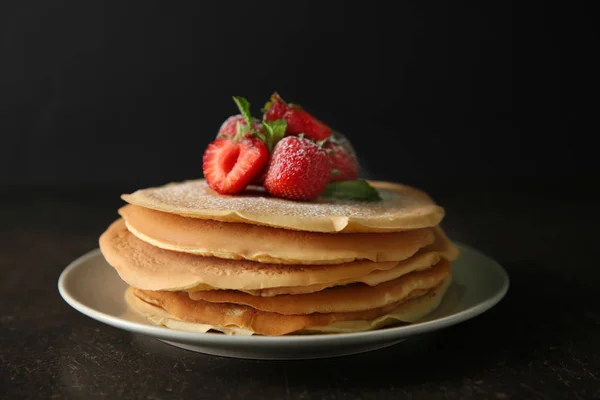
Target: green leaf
{"x": 268, "y": 135}
{"x": 278, "y": 129}
{"x": 260, "y": 136}
{"x": 268, "y": 129}
{"x": 274, "y": 132}
{"x": 352, "y": 190}
{"x": 244, "y": 107}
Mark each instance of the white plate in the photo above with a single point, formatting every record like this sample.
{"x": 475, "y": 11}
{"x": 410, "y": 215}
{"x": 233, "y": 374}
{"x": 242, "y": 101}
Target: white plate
{"x": 94, "y": 288}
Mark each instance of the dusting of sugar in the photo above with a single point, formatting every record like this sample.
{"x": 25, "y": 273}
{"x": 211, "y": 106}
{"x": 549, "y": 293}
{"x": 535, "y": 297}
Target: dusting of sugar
{"x": 194, "y": 196}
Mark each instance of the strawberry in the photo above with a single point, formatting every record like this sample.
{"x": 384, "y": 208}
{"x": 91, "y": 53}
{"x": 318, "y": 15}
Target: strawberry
{"x": 344, "y": 164}
{"x": 299, "y": 169}
{"x": 298, "y": 120}
{"x": 229, "y": 128}
{"x": 230, "y": 164}
{"x": 275, "y": 108}
{"x": 240, "y": 153}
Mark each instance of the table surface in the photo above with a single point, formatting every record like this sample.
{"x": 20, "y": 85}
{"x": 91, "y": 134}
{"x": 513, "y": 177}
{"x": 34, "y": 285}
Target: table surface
{"x": 541, "y": 342}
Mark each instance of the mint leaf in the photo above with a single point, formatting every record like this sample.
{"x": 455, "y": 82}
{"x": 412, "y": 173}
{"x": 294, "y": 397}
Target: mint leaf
{"x": 268, "y": 135}
{"x": 274, "y": 132}
{"x": 244, "y": 107}
{"x": 351, "y": 190}
{"x": 260, "y": 136}
{"x": 268, "y": 129}
{"x": 278, "y": 126}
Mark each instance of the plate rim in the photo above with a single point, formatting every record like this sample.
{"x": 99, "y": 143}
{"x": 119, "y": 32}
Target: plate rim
{"x": 388, "y": 333}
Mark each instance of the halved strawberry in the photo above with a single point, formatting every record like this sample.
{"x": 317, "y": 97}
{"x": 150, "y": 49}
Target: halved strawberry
{"x": 298, "y": 120}
{"x": 299, "y": 169}
{"x": 230, "y": 164}
{"x": 344, "y": 164}
{"x": 229, "y": 128}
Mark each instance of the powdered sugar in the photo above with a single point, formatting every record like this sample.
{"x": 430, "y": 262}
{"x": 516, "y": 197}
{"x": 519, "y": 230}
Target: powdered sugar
{"x": 195, "y": 198}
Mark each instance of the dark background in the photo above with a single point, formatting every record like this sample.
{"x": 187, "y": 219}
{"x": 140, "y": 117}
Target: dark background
{"x": 489, "y": 106}
{"x": 430, "y": 94}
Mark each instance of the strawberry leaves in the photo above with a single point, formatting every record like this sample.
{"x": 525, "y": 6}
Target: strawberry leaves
{"x": 244, "y": 107}
{"x": 273, "y": 131}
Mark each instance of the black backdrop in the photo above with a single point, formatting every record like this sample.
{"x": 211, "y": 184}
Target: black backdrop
{"x": 429, "y": 93}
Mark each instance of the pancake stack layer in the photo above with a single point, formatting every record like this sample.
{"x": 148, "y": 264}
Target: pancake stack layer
{"x": 253, "y": 264}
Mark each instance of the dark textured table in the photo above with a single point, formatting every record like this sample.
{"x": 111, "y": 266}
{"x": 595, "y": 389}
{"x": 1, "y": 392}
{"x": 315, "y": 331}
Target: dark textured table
{"x": 541, "y": 342}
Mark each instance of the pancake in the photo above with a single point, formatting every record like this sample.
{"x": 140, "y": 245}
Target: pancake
{"x": 349, "y": 298}
{"x": 280, "y": 246}
{"x": 150, "y": 268}
{"x": 442, "y": 248}
{"x": 175, "y": 310}
{"x": 416, "y": 263}
{"x": 402, "y": 208}
{"x": 414, "y": 309}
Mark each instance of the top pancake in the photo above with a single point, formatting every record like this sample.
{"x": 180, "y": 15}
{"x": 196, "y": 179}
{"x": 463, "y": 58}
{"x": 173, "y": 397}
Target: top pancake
{"x": 402, "y": 208}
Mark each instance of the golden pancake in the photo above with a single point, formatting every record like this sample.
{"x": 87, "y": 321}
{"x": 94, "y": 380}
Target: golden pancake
{"x": 402, "y": 208}
{"x": 148, "y": 267}
{"x": 231, "y": 317}
{"x": 411, "y": 311}
{"x": 349, "y": 298}
{"x": 425, "y": 258}
{"x": 270, "y": 245}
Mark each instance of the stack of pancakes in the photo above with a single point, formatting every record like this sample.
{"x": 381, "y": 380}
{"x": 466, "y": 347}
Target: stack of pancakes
{"x": 252, "y": 264}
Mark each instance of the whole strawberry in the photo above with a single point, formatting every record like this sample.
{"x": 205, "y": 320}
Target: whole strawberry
{"x": 299, "y": 169}
{"x": 344, "y": 164}
{"x": 299, "y": 121}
